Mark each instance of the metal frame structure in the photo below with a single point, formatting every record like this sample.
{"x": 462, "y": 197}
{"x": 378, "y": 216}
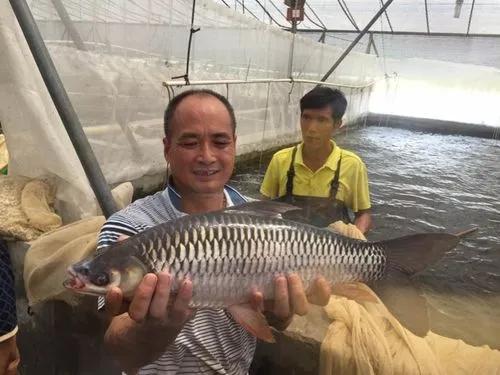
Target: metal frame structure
{"x": 68, "y": 24}
{"x": 470, "y": 16}
{"x": 356, "y": 40}
{"x": 175, "y": 83}
{"x": 427, "y": 17}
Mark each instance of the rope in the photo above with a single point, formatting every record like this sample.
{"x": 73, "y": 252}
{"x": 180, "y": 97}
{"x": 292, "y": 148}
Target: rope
{"x": 264, "y": 127}
{"x": 347, "y": 13}
{"x": 188, "y": 58}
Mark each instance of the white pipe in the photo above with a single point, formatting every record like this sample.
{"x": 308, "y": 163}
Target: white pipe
{"x": 264, "y": 80}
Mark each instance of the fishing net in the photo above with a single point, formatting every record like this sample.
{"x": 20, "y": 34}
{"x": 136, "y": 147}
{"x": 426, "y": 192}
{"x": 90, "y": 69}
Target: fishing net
{"x": 26, "y": 208}
{"x": 4, "y": 155}
{"x": 367, "y": 339}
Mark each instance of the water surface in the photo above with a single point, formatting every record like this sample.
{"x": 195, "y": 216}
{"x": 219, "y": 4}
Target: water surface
{"x": 429, "y": 183}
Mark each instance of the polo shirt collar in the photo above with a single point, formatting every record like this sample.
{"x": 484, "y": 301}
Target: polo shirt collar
{"x": 175, "y": 197}
{"x": 330, "y": 163}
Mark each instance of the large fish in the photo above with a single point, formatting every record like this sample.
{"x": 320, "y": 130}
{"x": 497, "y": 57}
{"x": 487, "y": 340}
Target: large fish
{"x": 229, "y": 253}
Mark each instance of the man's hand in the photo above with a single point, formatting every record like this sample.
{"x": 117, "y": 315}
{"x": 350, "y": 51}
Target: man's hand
{"x": 152, "y": 321}
{"x": 363, "y": 221}
{"x": 9, "y": 356}
{"x": 142, "y": 329}
{"x": 150, "y": 301}
{"x": 290, "y": 298}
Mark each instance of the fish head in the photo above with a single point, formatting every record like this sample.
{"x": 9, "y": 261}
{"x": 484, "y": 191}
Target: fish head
{"x": 98, "y": 274}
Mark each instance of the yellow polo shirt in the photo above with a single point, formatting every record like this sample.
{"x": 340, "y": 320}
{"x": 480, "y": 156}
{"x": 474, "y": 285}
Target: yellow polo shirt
{"x": 353, "y": 178}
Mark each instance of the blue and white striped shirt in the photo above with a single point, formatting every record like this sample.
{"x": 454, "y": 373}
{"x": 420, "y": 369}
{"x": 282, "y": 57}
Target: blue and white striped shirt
{"x": 211, "y": 342}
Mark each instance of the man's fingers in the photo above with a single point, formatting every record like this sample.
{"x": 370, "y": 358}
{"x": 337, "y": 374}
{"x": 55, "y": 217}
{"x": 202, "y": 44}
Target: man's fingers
{"x": 114, "y": 300}
{"x": 139, "y": 307}
{"x": 281, "y": 298}
{"x": 257, "y": 301}
{"x": 180, "y": 309}
{"x": 13, "y": 365}
{"x": 298, "y": 298}
{"x": 319, "y": 292}
{"x": 158, "y": 307}
{"x": 9, "y": 356}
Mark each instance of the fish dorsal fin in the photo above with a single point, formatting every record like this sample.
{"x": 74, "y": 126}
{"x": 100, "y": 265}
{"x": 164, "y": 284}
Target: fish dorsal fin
{"x": 253, "y": 321}
{"x": 412, "y": 254}
{"x": 263, "y": 208}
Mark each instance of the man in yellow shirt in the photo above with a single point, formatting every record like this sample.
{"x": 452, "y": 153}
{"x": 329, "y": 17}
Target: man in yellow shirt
{"x": 317, "y": 172}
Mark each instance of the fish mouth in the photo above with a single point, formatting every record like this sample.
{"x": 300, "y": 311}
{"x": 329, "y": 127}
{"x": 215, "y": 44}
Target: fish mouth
{"x": 74, "y": 281}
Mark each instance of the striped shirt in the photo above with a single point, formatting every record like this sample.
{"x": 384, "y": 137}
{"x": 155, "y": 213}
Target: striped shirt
{"x": 211, "y": 342}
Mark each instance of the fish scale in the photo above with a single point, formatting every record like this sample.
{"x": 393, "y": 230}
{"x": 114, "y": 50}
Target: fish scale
{"x": 227, "y": 255}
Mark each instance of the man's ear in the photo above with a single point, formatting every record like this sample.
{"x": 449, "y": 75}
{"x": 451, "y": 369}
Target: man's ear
{"x": 337, "y": 124}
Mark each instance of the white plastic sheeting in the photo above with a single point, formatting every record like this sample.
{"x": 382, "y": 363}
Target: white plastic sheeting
{"x": 37, "y": 142}
{"x": 463, "y": 86}
{"x": 116, "y": 86}
{"x": 439, "y": 90}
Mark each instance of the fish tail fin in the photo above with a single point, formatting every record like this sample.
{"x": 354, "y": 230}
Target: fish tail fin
{"x": 412, "y": 254}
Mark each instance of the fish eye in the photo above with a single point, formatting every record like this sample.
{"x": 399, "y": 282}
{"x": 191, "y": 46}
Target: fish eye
{"x": 101, "y": 279}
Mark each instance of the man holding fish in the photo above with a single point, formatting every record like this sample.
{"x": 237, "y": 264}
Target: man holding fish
{"x": 159, "y": 333}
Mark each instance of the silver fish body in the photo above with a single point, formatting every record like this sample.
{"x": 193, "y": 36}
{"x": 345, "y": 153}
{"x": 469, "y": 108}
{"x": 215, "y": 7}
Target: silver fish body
{"x": 230, "y": 253}
{"x": 227, "y": 255}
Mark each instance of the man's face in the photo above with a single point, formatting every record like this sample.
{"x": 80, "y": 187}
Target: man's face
{"x": 317, "y": 127}
{"x": 201, "y": 146}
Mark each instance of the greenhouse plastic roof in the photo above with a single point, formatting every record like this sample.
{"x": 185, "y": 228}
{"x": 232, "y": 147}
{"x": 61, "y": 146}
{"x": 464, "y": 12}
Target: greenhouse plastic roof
{"x": 402, "y": 15}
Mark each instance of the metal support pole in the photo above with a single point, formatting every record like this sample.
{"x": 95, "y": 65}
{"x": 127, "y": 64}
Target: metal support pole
{"x": 68, "y": 24}
{"x": 322, "y": 37}
{"x": 292, "y": 46}
{"x": 387, "y": 17}
{"x": 427, "y": 17}
{"x": 470, "y": 16}
{"x": 371, "y": 44}
{"x": 356, "y": 40}
{"x": 190, "y": 41}
{"x": 64, "y": 106}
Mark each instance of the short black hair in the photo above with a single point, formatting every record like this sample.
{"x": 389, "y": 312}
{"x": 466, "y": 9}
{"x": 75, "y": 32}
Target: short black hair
{"x": 322, "y": 96}
{"x": 174, "y": 103}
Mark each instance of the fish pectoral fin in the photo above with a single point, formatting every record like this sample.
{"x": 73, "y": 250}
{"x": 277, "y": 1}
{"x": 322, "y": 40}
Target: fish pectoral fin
{"x": 354, "y": 291}
{"x": 253, "y": 321}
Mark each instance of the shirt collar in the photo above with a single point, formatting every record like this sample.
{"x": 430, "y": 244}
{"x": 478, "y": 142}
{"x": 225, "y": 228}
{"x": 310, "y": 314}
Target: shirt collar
{"x": 331, "y": 161}
{"x": 175, "y": 197}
